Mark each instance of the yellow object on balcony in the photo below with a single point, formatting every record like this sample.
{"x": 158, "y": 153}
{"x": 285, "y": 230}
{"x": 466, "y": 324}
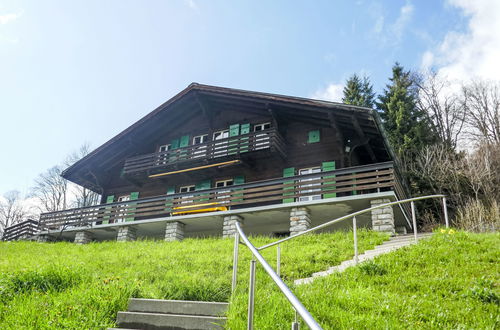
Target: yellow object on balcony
{"x": 179, "y": 210}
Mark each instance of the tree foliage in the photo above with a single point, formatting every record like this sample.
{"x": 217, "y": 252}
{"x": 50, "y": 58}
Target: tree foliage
{"x": 408, "y": 128}
{"x": 359, "y": 92}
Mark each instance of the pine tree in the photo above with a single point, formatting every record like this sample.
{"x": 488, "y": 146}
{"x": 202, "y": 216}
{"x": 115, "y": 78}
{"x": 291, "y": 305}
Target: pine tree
{"x": 359, "y": 92}
{"x": 407, "y": 128}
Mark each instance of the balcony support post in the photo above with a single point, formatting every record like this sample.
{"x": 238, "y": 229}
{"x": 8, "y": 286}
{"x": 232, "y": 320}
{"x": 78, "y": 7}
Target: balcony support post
{"x": 383, "y": 218}
{"x": 299, "y": 220}
{"x": 126, "y": 234}
{"x": 174, "y": 231}
{"x": 229, "y": 225}
{"x": 83, "y": 237}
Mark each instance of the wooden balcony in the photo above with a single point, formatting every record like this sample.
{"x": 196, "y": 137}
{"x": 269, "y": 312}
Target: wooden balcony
{"x": 23, "y": 229}
{"x": 236, "y": 147}
{"x": 301, "y": 188}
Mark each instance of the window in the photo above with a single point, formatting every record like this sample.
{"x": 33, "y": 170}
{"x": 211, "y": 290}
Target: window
{"x": 200, "y": 151}
{"x": 261, "y": 140}
{"x": 162, "y": 158}
{"x": 308, "y": 190}
{"x": 220, "y": 148}
{"x": 186, "y": 189}
{"x": 121, "y": 211}
{"x": 200, "y": 139}
{"x": 223, "y": 193}
{"x": 261, "y": 127}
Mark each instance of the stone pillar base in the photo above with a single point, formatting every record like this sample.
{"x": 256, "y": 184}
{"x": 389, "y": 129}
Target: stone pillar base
{"x": 83, "y": 237}
{"x": 174, "y": 231}
{"x": 383, "y": 218}
{"x": 126, "y": 234}
{"x": 45, "y": 238}
{"x": 299, "y": 220}
{"x": 229, "y": 225}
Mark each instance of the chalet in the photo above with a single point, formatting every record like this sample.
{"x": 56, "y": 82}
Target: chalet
{"x": 211, "y": 156}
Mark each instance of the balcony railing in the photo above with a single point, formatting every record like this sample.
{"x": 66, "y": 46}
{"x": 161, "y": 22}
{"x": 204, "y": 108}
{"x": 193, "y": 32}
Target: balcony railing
{"x": 342, "y": 182}
{"x": 235, "y": 146}
{"x": 23, "y": 229}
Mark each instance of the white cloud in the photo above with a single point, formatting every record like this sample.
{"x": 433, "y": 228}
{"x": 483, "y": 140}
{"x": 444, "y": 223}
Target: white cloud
{"x": 390, "y": 33}
{"x": 474, "y": 53}
{"x": 405, "y": 15}
{"x": 6, "y": 18}
{"x": 333, "y": 92}
{"x": 192, "y": 4}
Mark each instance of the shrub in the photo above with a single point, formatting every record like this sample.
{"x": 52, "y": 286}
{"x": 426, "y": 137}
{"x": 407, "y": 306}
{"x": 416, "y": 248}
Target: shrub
{"x": 477, "y": 216}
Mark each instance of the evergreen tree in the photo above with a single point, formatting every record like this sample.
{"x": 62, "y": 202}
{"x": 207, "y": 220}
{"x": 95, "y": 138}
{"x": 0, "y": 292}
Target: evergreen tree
{"x": 359, "y": 92}
{"x": 408, "y": 129}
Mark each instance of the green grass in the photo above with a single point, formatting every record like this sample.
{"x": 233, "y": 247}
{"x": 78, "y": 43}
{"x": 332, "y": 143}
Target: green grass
{"x": 65, "y": 286}
{"x": 450, "y": 281}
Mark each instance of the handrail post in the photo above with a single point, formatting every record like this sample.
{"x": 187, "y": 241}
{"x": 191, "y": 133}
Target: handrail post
{"x": 235, "y": 260}
{"x": 445, "y": 211}
{"x": 251, "y": 294}
{"x": 295, "y": 323}
{"x": 355, "y": 233}
{"x": 414, "y": 219}
{"x": 278, "y": 260}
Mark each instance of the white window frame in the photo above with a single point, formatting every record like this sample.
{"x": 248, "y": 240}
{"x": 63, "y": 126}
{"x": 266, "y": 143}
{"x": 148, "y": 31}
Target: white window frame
{"x": 261, "y": 139}
{"x": 262, "y": 126}
{"x": 220, "y": 148}
{"x": 200, "y": 150}
{"x": 223, "y": 192}
{"x": 309, "y": 170}
{"x": 191, "y": 188}
{"x": 162, "y": 159}
{"x": 123, "y": 208}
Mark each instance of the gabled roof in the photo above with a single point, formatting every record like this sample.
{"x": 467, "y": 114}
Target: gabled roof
{"x": 367, "y": 117}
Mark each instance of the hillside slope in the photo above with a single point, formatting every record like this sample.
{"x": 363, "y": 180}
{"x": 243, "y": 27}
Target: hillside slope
{"x": 62, "y": 285}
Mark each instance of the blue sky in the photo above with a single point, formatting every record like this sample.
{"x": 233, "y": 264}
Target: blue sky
{"x": 82, "y": 71}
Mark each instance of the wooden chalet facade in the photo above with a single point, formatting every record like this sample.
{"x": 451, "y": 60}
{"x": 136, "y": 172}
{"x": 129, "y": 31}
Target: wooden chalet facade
{"x": 210, "y": 156}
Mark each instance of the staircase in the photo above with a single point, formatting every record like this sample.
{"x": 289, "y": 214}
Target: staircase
{"x": 157, "y": 314}
{"x": 394, "y": 243}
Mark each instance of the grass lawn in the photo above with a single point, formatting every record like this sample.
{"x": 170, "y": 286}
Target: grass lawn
{"x": 65, "y": 286}
{"x": 450, "y": 281}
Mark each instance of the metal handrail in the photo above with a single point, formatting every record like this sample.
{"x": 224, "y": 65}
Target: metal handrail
{"x": 331, "y": 222}
{"x": 299, "y": 308}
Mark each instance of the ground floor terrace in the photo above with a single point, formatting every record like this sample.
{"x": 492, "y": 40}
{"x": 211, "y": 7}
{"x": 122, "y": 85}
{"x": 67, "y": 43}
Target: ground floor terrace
{"x": 281, "y": 206}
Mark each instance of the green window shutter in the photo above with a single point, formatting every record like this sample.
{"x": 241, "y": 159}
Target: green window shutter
{"x": 184, "y": 141}
{"x": 239, "y": 179}
{"x": 174, "y": 144}
{"x": 245, "y": 128}
{"x": 329, "y": 166}
{"x": 109, "y": 199}
{"x": 288, "y": 172}
{"x": 169, "y": 203}
{"x": 201, "y": 186}
{"x": 133, "y": 196}
{"x": 234, "y": 130}
{"x": 313, "y": 136}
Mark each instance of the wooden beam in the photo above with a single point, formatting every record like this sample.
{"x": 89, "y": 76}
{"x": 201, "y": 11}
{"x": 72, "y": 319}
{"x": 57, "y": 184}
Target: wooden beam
{"x": 204, "y": 110}
{"x": 364, "y": 140}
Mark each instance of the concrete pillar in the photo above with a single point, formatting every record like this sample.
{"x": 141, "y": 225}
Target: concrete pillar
{"x": 174, "y": 231}
{"x": 229, "y": 225}
{"x": 299, "y": 220}
{"x": 126, "y": 234}
{"x": 45, "y": 238}
{"x": 83, "y": 237}
{"x": 383, "y": 218}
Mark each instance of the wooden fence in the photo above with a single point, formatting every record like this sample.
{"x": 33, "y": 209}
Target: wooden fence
{"x": 336, "y": 183}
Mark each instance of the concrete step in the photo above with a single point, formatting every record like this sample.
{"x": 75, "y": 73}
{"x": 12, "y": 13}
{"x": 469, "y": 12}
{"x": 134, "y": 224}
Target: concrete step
{"x": 159, "y": 321}
{"x": 177, "y": 307}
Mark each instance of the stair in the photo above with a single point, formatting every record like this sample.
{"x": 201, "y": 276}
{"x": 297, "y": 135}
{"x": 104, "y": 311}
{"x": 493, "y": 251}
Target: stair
{"x": 393, "y": 244}
{"x": 149, "y": 314}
